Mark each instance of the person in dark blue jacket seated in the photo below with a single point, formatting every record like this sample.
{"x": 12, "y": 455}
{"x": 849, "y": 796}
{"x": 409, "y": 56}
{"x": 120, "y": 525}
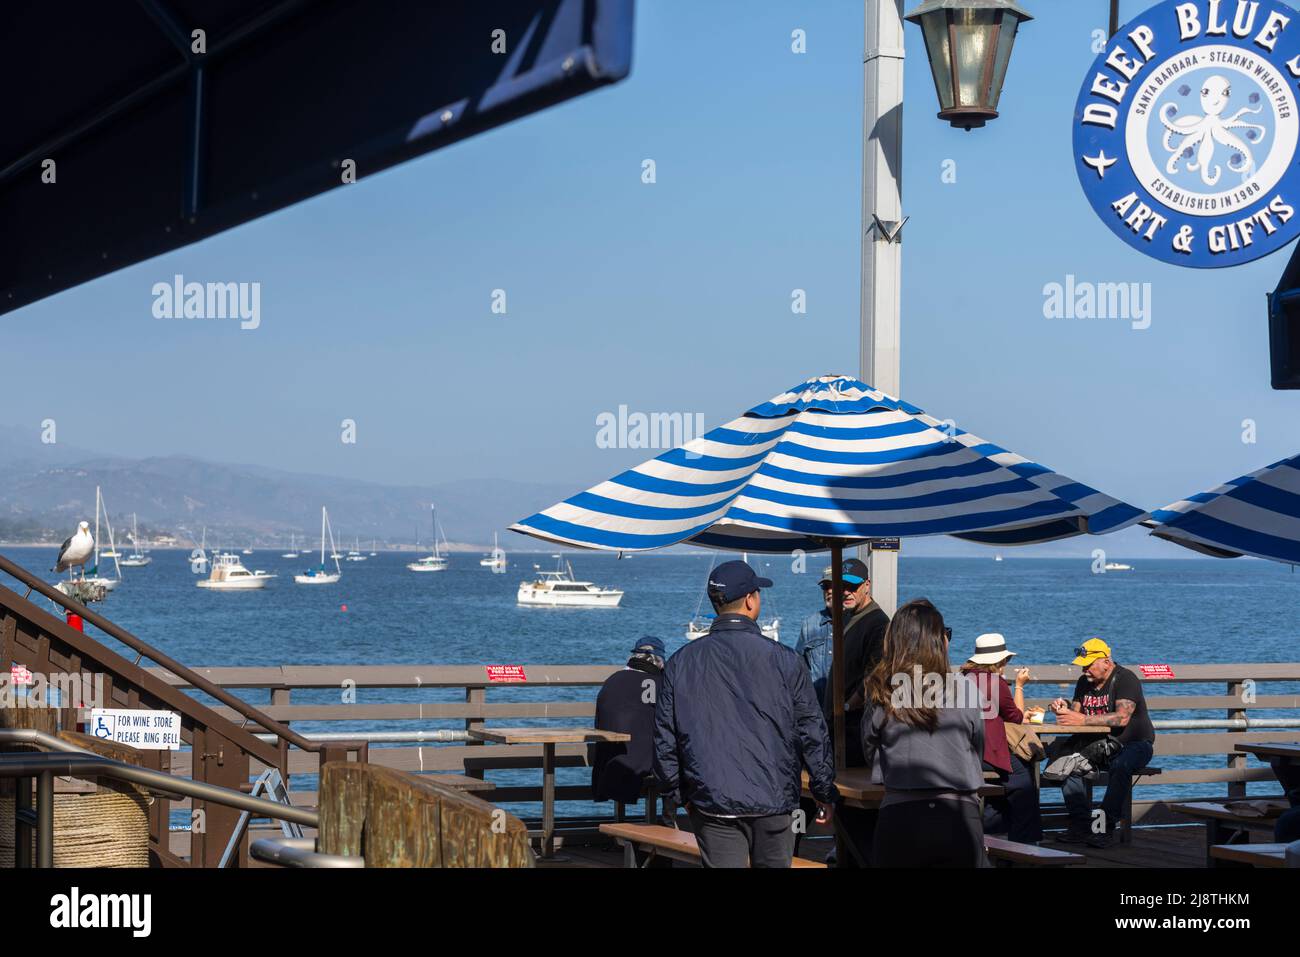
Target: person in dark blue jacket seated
{"x": 626, "y": 703}
{"x": 737, "y": 721}
{"x": 1287, "y": 828}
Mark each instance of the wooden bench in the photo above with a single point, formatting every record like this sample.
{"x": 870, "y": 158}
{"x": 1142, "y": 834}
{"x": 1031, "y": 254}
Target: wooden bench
{"x": 1249, "y": 855}
{"x": 1008, "y": 853}
{"x": 657, "y": 840}
{"x": 1226, "y": 827}
{"x": 1099, "y": 779}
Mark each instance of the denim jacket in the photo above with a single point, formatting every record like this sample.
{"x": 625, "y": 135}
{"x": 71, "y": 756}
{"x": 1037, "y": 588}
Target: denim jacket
{"x": 814, "y": 647}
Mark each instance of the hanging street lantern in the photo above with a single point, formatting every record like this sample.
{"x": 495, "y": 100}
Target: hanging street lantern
{"x": 969, "y": 45}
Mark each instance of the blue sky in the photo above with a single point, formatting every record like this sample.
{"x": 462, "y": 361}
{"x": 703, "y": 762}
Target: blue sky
{"x": 676, "y": 296}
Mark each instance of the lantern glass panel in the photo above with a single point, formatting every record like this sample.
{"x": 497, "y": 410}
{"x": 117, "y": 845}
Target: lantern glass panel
{"x": 1006, "y": 37}
{"x": 973, "y": 32}
{"x": 935, "y": 28}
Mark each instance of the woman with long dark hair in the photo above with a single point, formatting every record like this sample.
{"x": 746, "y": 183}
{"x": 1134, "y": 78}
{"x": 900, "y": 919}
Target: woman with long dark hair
{"x": 926, "y": 734}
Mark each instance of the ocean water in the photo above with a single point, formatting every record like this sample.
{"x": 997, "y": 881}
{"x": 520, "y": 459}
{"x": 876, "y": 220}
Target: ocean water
{"x": 1164, "y": 611}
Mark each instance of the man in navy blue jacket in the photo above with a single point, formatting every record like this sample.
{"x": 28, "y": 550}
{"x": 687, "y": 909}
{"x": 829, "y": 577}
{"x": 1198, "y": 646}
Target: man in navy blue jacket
{"x": 736, "y": 722}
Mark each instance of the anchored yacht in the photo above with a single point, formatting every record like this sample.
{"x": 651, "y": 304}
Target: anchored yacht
{"x": 229, "y": 574}
{"x": 560, "y": 588}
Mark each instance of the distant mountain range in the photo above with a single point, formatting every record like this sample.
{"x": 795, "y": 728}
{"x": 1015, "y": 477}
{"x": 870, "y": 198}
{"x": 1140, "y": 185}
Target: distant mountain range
{"x": 46, "y": 489}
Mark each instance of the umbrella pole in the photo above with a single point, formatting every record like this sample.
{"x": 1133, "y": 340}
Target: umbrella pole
{"x": 837, "y": 653}
{"x": 837, "y": 681}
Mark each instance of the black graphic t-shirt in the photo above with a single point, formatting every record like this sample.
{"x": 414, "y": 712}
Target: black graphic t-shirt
{"x": 1122, "y": 683}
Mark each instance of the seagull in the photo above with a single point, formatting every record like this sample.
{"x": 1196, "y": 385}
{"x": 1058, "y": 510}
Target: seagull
{"x": 76, "y": 549}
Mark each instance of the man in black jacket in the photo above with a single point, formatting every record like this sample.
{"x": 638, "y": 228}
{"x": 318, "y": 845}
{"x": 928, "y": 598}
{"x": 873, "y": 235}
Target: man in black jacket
{"x": 737, "y": 721}
{"x": 626, "y": 703}
{"x": 865, "y": 624}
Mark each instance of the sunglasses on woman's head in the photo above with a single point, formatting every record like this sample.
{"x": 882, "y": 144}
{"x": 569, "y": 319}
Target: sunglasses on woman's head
{"x": 947, "y": 634}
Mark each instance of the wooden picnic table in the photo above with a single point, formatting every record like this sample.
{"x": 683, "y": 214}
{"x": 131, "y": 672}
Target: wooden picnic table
{"x": 856, "y": 788}
{"x": 1254, "y": 855}
{"x": 1054, "y": 728}
{"x": 1281, "y": 749}
{"x": 548, "y": 738}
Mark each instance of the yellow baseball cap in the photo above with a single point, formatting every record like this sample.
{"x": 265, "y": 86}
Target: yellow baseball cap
{"x": 1094, "y": 649}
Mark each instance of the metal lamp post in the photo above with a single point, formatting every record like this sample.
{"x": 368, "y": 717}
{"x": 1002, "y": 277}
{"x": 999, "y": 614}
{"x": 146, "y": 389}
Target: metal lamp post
{"x": 969, "y": 45}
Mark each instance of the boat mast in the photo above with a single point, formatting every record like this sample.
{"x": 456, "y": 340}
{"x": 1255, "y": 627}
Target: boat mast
{"x": 322, "y": 536}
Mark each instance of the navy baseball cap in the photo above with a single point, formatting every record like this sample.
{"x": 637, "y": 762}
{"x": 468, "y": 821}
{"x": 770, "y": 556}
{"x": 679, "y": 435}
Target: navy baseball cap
{"x": 855, "y": 573}
{"x": 649, "y": 645}
{"x": 733, "y": 580}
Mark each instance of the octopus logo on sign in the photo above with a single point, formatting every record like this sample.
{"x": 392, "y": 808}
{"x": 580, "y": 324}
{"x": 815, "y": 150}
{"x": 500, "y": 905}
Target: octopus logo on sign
{"x": 1187, "y": 127}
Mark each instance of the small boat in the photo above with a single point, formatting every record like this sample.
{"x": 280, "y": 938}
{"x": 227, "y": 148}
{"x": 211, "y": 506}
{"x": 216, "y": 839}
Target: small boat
{"x": 95, "y": 578}
{"x": 137, "y": 558}
{"x": 373, "y": 553}
{"x": 997, "y": 558}
{"x": 1118, "y": 567}
{"x": 699, "y": 626}
{"x": 560, "y": 588}
{"x": 497, "y": 560}
{"x": 293, "y": 551}
{"x": 354, "y": 554}
{"x": 319, "y": 575}
{"x": 435, "y": 562}
{"x": 249, "y": 550}
{"x": 229, "y": 574}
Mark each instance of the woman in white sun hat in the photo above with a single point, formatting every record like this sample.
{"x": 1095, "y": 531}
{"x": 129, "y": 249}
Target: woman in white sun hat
{"x": 1017, "y": 811}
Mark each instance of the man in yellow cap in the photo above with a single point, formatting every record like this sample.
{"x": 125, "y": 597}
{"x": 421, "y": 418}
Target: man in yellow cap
{"x": 1108, "y": 695}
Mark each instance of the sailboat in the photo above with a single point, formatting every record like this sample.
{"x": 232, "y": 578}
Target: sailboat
{"x": 318, "y": 575}
{"x": 435, "y": 562}
{"x": 699, "y": 626}
{"x": 373, "y": 553}
{"x": 137, "y": 558}
{"x": 95, "y": 577}
{"x": 293, "y": 551}
{"x": 497, "y": 560}
{"x": 354, "y": 554}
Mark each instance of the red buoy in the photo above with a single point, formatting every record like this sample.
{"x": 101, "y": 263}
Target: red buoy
{"x": 74, "y": 621}
{"x": 343, "y": 608}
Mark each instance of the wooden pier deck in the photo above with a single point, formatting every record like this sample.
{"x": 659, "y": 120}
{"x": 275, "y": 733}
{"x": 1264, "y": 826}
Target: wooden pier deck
{"x": 1152, "y": 847}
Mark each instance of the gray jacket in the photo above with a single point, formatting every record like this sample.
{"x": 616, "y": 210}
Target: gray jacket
{"x": 907, "y": 759}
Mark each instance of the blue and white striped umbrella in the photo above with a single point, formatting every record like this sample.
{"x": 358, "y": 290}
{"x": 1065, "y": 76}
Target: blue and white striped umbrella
{"x": 1257, "y": 514}
{"x": 831, "y": 459}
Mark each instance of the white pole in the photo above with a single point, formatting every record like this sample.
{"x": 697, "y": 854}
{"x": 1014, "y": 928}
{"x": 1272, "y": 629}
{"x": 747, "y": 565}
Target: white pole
{"x": 882, "y": 214}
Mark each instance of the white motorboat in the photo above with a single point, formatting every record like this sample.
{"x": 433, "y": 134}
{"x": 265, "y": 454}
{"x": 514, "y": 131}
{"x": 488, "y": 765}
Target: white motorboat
{"x": 560, "y": 589}
{"x": 319, "y": 575}
{"x": 137, "y": 558}
{"x": 436, "y": 562}
{"x": 1118, "y": 567}
{"x": 229, "y": 574}
{"x": 497, "y": 560}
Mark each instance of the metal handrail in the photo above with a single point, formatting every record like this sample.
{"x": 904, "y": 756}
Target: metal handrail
{"x": 195, "y": 680}
{"x": 69, "y": 761}
{"x": 298, "y": 852}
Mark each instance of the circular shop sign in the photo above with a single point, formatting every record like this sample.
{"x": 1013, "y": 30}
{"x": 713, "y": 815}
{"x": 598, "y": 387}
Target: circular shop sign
{"x": 1186, "y": 130}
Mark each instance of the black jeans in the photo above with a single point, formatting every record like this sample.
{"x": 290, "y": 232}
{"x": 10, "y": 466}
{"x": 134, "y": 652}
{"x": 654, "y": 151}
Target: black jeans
{"x": 1077, "y": 793}
{"x": 1016, "y": 813}
{"x": 939, "y": 833}
{"x": 744, "y": 841}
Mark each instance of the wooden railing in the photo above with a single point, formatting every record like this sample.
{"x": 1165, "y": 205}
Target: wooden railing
{"x": 476, "y": 701}
{"x": 223, "y": 747}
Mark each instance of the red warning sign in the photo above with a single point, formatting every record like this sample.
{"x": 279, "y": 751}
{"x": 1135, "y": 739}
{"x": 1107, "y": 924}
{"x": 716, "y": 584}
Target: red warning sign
{"x": 505, "y": 674}
{"x": 1155, "y": 672}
